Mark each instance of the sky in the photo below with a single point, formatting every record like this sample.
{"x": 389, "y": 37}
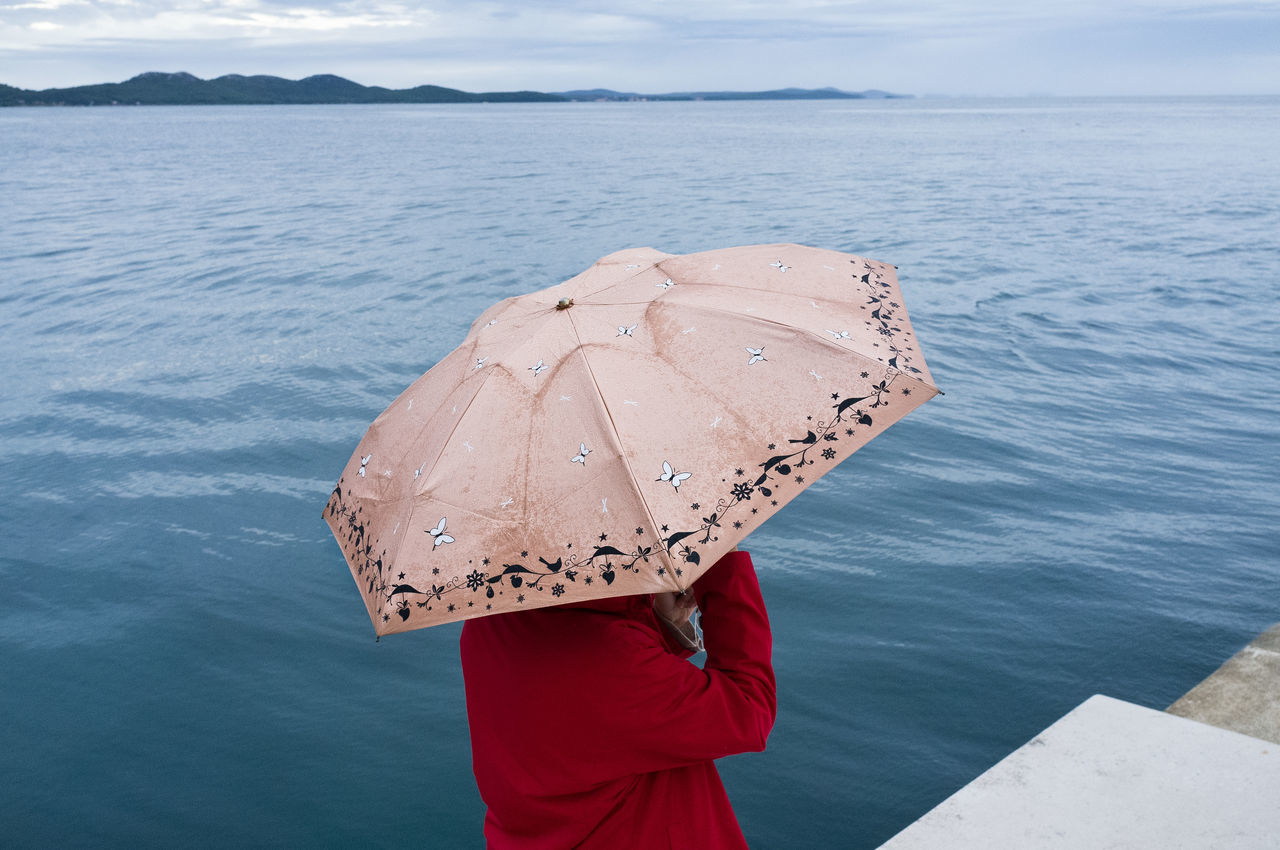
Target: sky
{"x": 921, "y": 47}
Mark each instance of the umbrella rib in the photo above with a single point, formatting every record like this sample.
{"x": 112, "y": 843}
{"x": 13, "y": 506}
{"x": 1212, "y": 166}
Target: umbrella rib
{"x": 617, "y": 439}
{"x": 826, "y": 343}
{"x": 444, "y": 445}
{"x": 413, "y": 505}
{"x": 584, "y": 296}
{"x": 720, "y": 286}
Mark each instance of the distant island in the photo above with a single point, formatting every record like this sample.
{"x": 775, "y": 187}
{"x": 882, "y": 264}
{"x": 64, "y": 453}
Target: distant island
{"x": 601, "y": 95}
{"x": 158, "y": 88}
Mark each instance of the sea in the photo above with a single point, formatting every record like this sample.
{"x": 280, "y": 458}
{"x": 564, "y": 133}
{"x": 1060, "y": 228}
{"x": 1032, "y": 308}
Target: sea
{"x": 202, "y": 309}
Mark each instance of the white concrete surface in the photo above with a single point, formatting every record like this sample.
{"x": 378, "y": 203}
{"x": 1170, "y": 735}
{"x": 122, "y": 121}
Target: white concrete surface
{"x": 1111, "y": 774}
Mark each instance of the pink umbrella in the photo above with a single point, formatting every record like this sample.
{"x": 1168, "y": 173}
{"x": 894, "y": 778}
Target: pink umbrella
{"x": 619, "y": 432}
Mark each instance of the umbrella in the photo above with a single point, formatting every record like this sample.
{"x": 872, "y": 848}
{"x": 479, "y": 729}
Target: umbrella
{"x": 617, "y": 433}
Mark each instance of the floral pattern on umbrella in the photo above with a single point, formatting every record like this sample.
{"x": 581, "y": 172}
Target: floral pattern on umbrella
{"x": 422, "y": 555}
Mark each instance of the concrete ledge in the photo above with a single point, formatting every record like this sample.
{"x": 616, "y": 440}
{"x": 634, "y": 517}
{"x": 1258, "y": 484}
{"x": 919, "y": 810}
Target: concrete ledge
{"x": 1111, "y": 774}
{"x": 1243, "y": 695}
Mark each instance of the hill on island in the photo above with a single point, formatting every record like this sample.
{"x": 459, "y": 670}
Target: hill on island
{"x": 156, "y": 88}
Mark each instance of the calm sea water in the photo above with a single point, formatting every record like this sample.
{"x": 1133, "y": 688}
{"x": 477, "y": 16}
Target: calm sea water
{"x": 201, "y": 309}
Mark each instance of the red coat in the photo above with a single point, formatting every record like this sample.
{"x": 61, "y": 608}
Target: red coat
{"x": 590, "y": 729}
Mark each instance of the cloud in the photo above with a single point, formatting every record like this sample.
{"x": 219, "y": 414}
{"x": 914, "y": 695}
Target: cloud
{"x": 90, "y": 22}
{"x": 573, "y": 21}
{"x": 995, "y": 46}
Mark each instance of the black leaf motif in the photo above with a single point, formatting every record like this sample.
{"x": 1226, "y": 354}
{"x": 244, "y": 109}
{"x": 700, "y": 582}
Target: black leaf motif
{"x": 677, "y": 537}
{"x": 778, "y": 467}
{"x": 846, "y": 404}
{"x": 774, "y": 461}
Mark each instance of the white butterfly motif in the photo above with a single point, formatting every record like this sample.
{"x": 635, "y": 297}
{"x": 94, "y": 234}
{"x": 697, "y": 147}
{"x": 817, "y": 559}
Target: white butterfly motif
{"x": 480, "y": 361}
{"x": 666, "y": 284}
{"x": 623, "y": 330}
{"x": 757, "y": 354}
{"x": 492, "y": 322}
{"x": 438, "y": 536}
{"x": 581, "y": 456}
{"x": 671, "y": 476}
{"x": 364, "y": 462}
{"x": 839, "y": 334}
{"x": 538, "y": 368}
{"x": 631, "y": 266}
{"x": 779, "y": 266}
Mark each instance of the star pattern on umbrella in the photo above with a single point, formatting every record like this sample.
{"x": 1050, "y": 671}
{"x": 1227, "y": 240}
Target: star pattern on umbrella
{"x": 775, "y": 474}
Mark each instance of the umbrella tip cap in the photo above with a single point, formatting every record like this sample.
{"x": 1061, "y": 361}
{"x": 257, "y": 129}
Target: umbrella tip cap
{"x": 564, "y": 303}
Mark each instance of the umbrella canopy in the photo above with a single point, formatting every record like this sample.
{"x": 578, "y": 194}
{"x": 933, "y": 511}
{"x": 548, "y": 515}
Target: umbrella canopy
{"x": 619, "y": 432}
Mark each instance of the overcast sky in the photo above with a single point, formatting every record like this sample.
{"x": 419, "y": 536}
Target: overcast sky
{"x": 998, "y": 47}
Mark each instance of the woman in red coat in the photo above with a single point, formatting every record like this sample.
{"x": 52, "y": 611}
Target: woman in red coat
{"x": 589, "y": 728}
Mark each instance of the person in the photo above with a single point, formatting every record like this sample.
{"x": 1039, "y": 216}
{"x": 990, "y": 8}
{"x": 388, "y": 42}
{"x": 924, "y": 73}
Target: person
{"x": 590, "y": 728}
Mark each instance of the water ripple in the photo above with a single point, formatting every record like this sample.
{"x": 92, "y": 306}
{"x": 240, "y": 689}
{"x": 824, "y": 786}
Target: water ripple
{"x": 204, "y": 308}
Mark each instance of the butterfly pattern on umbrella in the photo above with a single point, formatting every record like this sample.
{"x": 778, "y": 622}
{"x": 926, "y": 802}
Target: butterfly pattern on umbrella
{"x": 522, "y": 575}
{"x": 474, "y": 587}
{"x": 669, "y": 475}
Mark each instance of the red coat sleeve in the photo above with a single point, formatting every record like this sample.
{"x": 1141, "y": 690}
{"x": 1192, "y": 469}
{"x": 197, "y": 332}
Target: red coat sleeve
{"x": 642, "y": 708}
